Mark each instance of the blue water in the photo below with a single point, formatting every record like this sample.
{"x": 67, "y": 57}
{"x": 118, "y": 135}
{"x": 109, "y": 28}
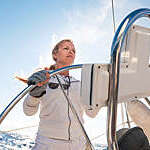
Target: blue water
{"x": 14, "y": 141}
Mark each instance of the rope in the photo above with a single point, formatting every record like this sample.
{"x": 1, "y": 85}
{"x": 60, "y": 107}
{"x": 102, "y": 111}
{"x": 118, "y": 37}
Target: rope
{"x": 89, "y": 145}
{"x": 20, "y": 128}
{"x": 128, "y": 120}
{"x": 122, "y": 114}
{"x": 113, "y": 13}
{"x": 100, "y": 135}
{"x": 147, "y": 100}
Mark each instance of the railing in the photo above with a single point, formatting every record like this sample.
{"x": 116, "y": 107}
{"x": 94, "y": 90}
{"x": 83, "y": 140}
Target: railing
{"x": 114, "y": 71}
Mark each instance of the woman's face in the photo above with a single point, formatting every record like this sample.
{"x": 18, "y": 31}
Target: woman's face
{"x": 65, "y": 54}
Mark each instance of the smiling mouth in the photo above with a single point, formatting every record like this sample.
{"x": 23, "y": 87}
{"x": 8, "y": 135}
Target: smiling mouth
{"x": 70, "y": 56}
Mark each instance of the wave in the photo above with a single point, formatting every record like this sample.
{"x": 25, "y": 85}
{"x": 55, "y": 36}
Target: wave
{"x": 15, "y": 141}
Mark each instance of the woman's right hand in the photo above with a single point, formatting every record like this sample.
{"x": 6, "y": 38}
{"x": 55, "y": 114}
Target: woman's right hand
{"x": 37, "y": 77}
{"x": 40, "y": 79}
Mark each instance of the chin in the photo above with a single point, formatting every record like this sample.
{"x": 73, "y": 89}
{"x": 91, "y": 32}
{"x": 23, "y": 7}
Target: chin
{"x": 69, "y": 63}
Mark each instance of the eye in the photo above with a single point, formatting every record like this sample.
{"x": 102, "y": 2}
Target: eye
{"x": 73, "y": 50}
{"x": 66, "y": 48}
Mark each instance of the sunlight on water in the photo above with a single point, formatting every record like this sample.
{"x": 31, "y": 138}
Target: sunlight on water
{"x": 21, "y": 142}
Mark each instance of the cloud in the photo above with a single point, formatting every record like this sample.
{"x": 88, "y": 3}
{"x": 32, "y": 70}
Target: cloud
{"x": 91, "y": 30}
{"x": 45, "y": 60}
{"x": 54, "y": 40}
{"x": 84, "y": 26}
{"x": 88, "y": 29}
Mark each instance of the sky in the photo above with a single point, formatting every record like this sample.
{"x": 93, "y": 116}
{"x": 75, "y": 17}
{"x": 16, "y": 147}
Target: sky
{"x": 30, "y": 29}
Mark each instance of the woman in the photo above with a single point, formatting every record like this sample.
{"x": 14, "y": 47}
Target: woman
{"x": 58, "y": 128}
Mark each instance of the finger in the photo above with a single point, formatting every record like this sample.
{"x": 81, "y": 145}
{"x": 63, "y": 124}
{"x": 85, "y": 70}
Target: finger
{"x": 45, "y": 81}
{"x": 31, "y": 82}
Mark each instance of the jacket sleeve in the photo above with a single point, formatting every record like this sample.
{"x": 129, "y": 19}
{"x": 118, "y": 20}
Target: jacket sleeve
{"x": 30, "y": 105}
{"x": 92, "y": 111}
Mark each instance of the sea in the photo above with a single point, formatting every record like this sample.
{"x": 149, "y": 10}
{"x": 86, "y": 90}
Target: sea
{"x": 15, "y": 141}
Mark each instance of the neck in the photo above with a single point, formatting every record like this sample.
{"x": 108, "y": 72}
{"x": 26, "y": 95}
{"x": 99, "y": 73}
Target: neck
{"x": 65, "y": 73}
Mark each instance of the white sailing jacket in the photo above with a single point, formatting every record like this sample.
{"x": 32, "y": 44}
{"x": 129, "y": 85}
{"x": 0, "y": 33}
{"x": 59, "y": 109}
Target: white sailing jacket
{"x": 56, "y": 118}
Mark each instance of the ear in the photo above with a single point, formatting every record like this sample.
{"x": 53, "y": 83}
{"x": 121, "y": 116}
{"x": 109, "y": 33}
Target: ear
{"x": 55, "y": 56}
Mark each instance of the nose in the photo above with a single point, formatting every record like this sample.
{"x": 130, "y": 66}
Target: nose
{"x": 71, "y": 51}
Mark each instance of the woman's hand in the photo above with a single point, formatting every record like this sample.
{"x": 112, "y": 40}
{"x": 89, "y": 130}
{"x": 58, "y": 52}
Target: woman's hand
{"x": 40, "y": 79}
